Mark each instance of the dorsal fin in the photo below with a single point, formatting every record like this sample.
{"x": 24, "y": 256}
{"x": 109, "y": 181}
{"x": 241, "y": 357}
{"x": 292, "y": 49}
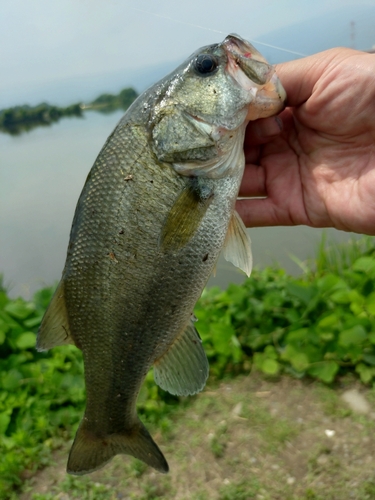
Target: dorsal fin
{"x": 55, "y": 329}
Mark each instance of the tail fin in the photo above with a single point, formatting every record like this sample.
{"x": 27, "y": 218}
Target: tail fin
{"x": 90, "y": 452}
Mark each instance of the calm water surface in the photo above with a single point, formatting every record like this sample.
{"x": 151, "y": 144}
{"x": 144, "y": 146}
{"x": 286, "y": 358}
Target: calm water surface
{"x": 42, "y": 173}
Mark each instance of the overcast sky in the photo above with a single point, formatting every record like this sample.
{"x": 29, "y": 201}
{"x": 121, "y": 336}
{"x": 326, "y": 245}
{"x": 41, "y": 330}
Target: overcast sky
{"x": 50, "y": 40}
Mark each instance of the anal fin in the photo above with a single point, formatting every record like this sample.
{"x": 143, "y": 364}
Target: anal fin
{"x": 237, "y": 245}
{"x": 54, "y": 329}
{"x": 183, "y": 369}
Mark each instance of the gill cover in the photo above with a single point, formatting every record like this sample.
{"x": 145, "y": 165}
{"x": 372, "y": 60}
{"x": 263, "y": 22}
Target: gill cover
{"x": 198, "y": 124}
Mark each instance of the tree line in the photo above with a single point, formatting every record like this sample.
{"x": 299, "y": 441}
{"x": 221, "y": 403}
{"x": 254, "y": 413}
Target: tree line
{"x": 18, "y": 119}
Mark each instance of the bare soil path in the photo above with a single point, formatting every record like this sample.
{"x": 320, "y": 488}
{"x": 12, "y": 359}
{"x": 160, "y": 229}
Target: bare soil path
{"x": 246, "y": 438}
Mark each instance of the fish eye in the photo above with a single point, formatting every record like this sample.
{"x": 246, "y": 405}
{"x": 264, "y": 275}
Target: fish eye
{"x": 205, "y": 64}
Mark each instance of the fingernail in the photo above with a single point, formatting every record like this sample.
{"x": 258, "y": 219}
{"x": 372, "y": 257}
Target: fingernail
{"x": 279, "y": 122}
{"x": 272, "y": 126}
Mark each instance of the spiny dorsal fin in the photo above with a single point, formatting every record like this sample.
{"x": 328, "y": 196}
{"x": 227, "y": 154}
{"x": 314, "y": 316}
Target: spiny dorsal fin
{"x": 183, "y": 369}
{"x": 185, "y": 216}
{"x": 237, "y": 246}
{"x": 54, "y": 329}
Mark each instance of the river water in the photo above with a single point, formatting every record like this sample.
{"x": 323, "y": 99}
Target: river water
{"x": 41, "y": 176}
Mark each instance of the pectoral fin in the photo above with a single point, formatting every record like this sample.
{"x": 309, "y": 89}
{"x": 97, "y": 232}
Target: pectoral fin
{"x": 185, "y": 216}
{"x": 237, "y": 246}
{"x": 54, "y": 329}
{"x": 183, "y": 369}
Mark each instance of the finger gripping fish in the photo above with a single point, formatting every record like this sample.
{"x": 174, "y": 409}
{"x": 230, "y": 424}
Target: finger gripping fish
{"x": 155, "y": 212}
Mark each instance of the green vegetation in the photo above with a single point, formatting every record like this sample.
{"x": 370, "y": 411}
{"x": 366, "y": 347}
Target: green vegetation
{"x": 106, "y": 103}
{"x": 23, "y": 118}
{"x": 321, "y": 325}
{"x": 240, "y": 491}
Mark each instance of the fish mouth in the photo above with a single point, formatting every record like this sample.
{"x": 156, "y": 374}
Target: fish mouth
{"x": 253, "y": 73}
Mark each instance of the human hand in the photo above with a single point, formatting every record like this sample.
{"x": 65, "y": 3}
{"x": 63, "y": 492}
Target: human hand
{"x": 319, "y": 170}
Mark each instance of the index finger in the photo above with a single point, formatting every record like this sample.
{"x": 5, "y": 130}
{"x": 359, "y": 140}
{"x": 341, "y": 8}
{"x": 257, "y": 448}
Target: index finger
{"x": 301, "y": 75}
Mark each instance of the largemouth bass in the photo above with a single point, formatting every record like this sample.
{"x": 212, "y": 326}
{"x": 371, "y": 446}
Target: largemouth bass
{"x": 155, "y": 212}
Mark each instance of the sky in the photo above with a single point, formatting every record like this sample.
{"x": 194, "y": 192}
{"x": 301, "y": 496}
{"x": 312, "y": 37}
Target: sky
{"x": 49, "y": 41}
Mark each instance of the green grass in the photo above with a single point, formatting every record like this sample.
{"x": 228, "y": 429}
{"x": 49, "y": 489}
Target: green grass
{"x": 243, "y": 490}
{"x": 79, "y": 489}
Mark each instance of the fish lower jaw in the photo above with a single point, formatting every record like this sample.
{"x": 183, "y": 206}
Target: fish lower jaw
{"x": 264, "y": 108}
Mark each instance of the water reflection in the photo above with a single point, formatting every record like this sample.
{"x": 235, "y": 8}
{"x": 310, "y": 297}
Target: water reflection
{"x": 41, "y": 177}
{"x": 20, "y": 119}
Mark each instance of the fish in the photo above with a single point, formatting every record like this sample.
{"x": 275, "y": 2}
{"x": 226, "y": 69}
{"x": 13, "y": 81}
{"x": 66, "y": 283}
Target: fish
{"x": 156, "y": 210}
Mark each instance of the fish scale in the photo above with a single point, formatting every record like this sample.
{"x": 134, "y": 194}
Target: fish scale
{"x": 155, "y": 212}
{"x": 132, "y": 279}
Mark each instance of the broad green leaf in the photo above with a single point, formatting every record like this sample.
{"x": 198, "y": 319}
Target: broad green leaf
{"x": 330, "y": 282}
{"x": 313, "y": 352}
{"x": 4, "y": 421}
{"x": 365, "y": 372}
{"x": 370, "y": 303}
{"x": 294, "y": 373}
{"x": 258, "y": 359}
{"x": 355, "y": 335}
{"x": 292, "y": 316}
{"x": 288, "y": 352}
{"x": 270, "y": 366}
{"x": 358, "y": 310}
{"x": 356, "y": 298}
{"x": 369, "y": 359}
{"x": 11, "y": 380}
{"x": 325, "y": 371}
{"x": 365, "y": 265}
{"x": 30, "y": 323}
{"x": 8, "y": 443}
{"x": 256, "y": 340}
{"x": 271, "y": 352}
{"x": 4, "y": 324}
{"x": 329, "y": 321}
{"x": 26, "y": 340}
{"x": 303, "y": 291}
{"x": 221, "y": 337}
{"x": 19, "y": 308}
{"x": 2, "y": 336}
{"x": 327, "y": 336}
{"x": 299, "y": 361}
{"x": 43, "y": 297}
{"x": 7, "y": 320}
{"x": 273, "y": 299}
{"x": 344, "y": 296}
{"x": 3, "y": 299}
{"x": 297, "y": 335}
{"x": 236, "y": 350}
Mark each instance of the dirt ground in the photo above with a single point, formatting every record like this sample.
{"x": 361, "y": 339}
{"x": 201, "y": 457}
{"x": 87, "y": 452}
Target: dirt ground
{"x": 247, "y": 438}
